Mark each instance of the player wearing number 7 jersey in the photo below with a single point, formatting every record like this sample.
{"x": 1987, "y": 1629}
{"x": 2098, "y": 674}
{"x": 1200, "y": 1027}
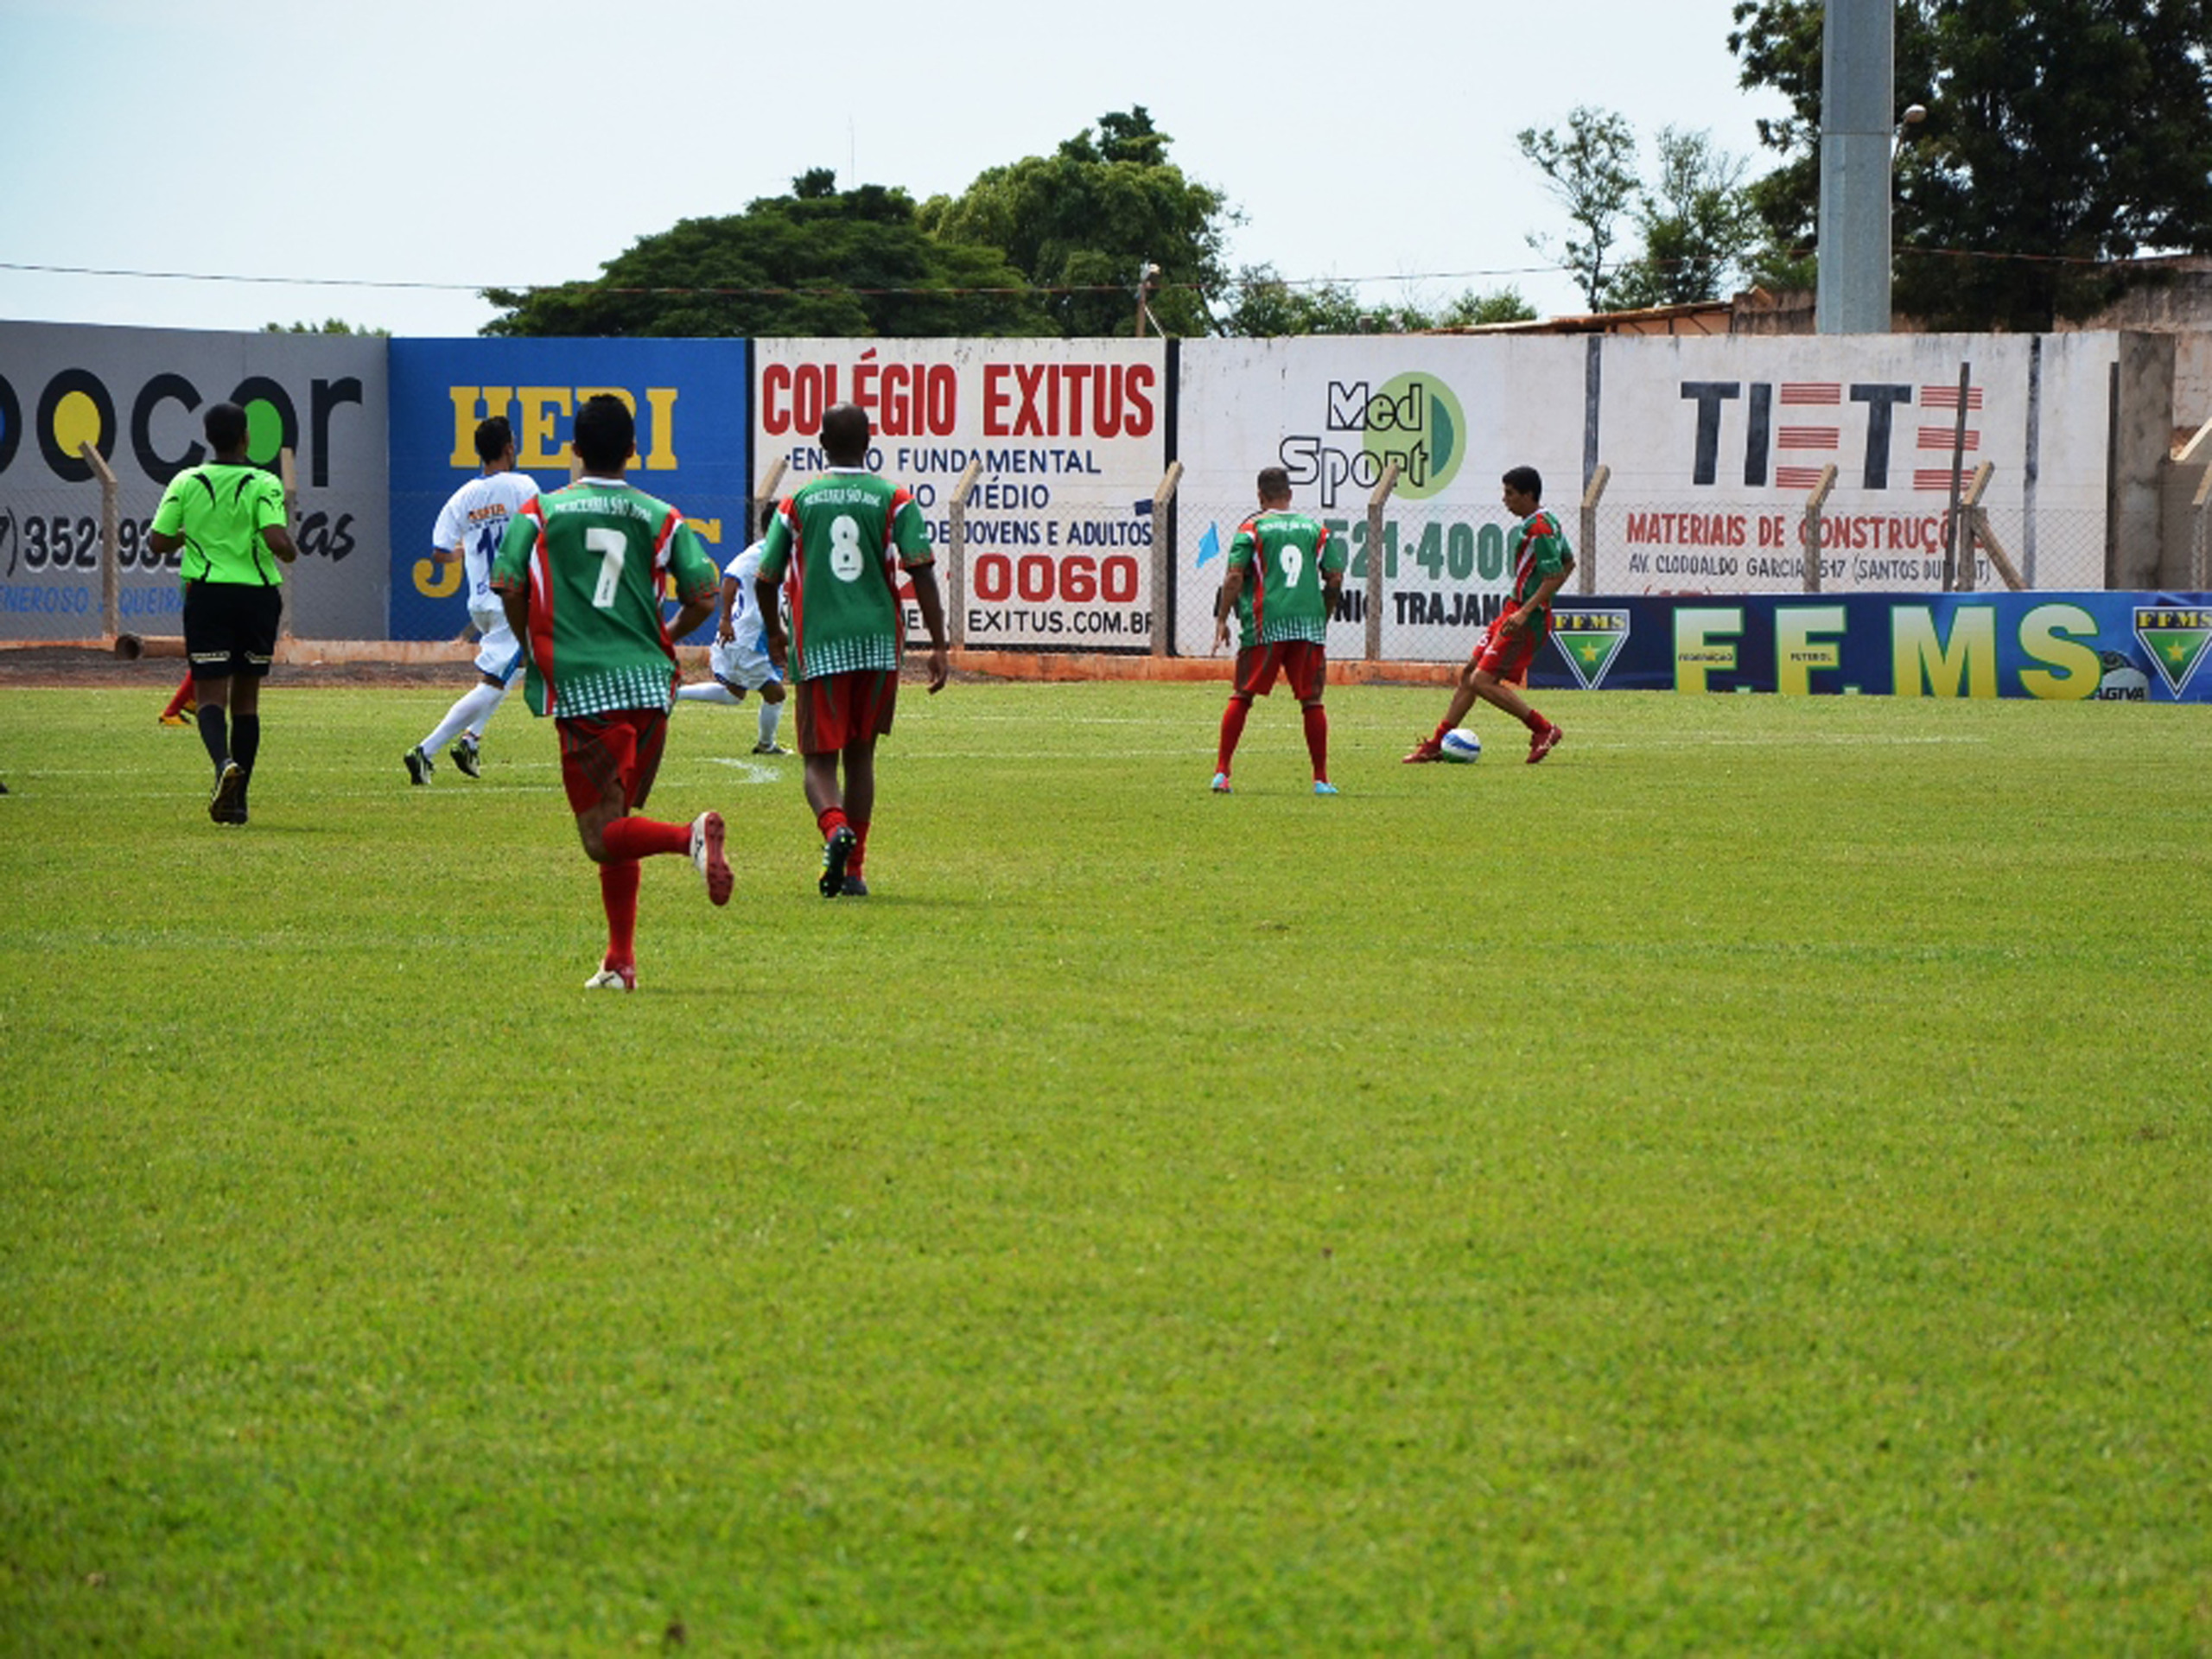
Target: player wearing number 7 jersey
{"x": 1284, "y": 572}
{"x": 470, "y": 529}
{"x": 579, "y": 576}
{"x": 837, "y": 546}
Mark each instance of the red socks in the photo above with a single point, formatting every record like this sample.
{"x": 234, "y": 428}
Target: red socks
{"x": 1537, "y": 722}
{"x": 830, "y": 820}
{"x": 618, "y": 891}
{"x": 860, "y": 846}
{"x": 1232, "y": 729}
{"x": 1316, "y": 740}
{"x": 628, "y": 840}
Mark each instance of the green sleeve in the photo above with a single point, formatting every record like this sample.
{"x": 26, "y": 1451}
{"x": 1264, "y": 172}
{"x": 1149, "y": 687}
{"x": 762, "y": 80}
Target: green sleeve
{"x": 1241, "y": 547}
{"x": 268, "y": 503}
{"x": 1552, "y": 552}
{"x": 169, "y": 518}
{"x": 1332, "y": 551}
{"x": 695, "y": 573}
{"x": 776, "y": 546}
{"x": 910, "y": 532}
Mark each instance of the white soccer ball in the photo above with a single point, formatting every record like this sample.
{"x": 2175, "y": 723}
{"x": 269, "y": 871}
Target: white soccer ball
{"x": 1462, "y": 746}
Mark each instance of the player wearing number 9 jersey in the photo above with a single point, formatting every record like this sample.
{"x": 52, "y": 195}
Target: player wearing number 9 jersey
{"x": 579, "y": 576}
{"x": 1284, "y": 572}
{"x": 836, "y": 548}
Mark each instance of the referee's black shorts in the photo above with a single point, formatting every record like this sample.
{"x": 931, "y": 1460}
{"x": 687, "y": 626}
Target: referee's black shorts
{"x": 229, "y": 627}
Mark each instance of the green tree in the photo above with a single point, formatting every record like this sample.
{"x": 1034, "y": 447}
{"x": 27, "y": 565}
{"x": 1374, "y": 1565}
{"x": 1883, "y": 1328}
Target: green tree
{"x": 1697, "y": 223}
{"x": 1268, "y": 306}
{"x": 328, "y": 326}
{"x": 1590, "y": 170}
{"x": 1086, "y": 221}
{"x": 819, "y": 262}
{"x": 2059, "y": 135}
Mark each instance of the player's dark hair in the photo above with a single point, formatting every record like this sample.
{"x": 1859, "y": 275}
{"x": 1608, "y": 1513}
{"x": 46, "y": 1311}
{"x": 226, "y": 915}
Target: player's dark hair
{"x": 606, "y": 433}
{"x": 1527, "y": 481}
{"x": 225, "y": 425}
{"x": 493, "y": 437}
{"x": 1275, "y": 483}
{"x": 845, "y": 433}
{"x": 768, "y": 513}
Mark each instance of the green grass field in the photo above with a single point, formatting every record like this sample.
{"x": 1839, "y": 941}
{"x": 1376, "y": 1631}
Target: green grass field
{"x": 1740, "y": 1186}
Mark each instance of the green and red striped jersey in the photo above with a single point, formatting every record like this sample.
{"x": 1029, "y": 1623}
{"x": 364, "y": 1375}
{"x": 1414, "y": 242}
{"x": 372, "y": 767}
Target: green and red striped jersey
{"x": 591, "y": 558}
{"x": 1284, "y": 556}
{"x": 837, "y": 546}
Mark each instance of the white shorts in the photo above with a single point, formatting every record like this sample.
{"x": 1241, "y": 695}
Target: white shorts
{"x": 497, "y": 657}
{"x": 743, "y": 663}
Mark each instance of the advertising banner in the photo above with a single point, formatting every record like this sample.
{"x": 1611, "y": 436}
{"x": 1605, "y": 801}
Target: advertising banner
{"x": 1714, "y": 445}
{"x": 1453, "y": 413}
{"x": 689, "y": 399}
{"x": 2116, "y": 647}
{"x": 1071, "y": 438}
{"x": 137, "y": 396}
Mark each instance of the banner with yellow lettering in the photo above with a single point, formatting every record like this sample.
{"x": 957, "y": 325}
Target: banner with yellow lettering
{"x": 693, "y": 408}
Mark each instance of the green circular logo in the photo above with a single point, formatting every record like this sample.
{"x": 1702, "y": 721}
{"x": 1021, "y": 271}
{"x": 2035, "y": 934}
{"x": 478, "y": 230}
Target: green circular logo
{"x": 265, "y": 432}
{"x": 1415, "y": 421}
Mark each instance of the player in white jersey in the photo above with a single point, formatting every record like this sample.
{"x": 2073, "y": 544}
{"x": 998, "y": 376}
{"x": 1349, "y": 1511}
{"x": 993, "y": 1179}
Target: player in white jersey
{"x": 738, "y": 658}
{"x": 470, "y": 529}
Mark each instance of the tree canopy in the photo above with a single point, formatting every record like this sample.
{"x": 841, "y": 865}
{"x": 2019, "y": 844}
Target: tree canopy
{"x": 2059, "y": 135}
{"x": 1265, "y": 305}
{"x": 818, "y": 261}
{"x": 1085, "y": 223}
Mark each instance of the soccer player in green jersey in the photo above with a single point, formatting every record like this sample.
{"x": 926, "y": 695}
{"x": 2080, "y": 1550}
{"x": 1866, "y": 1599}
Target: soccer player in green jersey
{"x": 228, "y": 516}
{"x": 836, "y": 548}
{"x": 579, "y": 576}
{"x": 1295, "y": 568}
{"x": 1542, "y": 560}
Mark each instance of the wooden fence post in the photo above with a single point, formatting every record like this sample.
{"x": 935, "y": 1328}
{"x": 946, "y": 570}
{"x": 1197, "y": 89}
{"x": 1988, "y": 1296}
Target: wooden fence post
{"x": 1592, "y": 494}
{"x": 1163, "y": 500}
{"x": 956, "y": 555}
{"x": 1383, "y": 486}
{"x": 110, "y": 541}
{"x": 1814, "y": 504}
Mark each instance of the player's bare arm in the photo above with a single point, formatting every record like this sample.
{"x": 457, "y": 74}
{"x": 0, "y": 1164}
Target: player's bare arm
{"x": 725, "y": 630}
{"x": 163, "y": 542}
{"x": 1537, "y": 600}
{"x": 279, "y": 542}
{"x": 1225, "y": 606}
{"x": 933, "y": 607}
{"x": 516, "y": 604}
{"x": 772, "y": 621}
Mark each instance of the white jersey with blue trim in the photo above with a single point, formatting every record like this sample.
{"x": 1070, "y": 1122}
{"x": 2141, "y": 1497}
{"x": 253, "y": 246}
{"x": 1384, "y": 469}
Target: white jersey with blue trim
{"x": 475, "y": 521}
{"x": 744, "y": 608}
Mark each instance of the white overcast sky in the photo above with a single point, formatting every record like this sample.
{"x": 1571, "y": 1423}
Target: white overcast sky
{"x": 442, "y": 148}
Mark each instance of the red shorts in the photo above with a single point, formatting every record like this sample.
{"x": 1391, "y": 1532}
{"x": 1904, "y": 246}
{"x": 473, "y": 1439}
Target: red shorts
{"x": 1507, "y": 656}
{"x": 838, "y": 711}
{"x": 604, "y": 755}
{"x": 1301, "y": 662}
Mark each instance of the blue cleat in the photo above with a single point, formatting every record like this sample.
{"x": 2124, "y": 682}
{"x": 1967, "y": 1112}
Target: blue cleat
{"x": 1221, "y": 783}
{"x": 1323, "y": 786}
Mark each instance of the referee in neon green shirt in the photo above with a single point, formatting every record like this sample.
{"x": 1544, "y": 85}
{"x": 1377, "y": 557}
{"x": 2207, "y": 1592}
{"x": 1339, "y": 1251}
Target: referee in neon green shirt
{"x": 228, "y": 516}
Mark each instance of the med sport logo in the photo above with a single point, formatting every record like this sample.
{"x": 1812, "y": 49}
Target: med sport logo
{"x": 1414, "y": 419}
{"x": 2176, "y": 637}
{"x": 1590, "y": 641}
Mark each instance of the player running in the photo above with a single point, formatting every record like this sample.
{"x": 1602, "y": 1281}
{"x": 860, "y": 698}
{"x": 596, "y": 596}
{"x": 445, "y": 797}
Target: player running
{"x": 579, "y": 576}
{"x": 739, "y": 657}
{"x": 470, "y": 529}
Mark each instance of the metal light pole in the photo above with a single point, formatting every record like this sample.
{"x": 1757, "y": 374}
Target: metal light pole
{"x": 1858, "y": 94}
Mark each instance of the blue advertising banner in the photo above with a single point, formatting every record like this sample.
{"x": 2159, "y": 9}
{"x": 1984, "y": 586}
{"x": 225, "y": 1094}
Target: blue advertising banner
{"x": 693, "y": 403}
{"x": 2133, "y": 647}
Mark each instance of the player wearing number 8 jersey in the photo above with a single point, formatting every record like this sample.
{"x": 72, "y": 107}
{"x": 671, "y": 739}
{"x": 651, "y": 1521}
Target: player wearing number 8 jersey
{"x": 836, "y": 548}
{"x": 1284, "y": 572}
{"x": 579, "y": 576}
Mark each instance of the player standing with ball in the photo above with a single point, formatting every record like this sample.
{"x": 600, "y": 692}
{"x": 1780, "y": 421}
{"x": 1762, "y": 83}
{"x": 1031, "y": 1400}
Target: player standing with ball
{"x": 1541, "y": 561}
